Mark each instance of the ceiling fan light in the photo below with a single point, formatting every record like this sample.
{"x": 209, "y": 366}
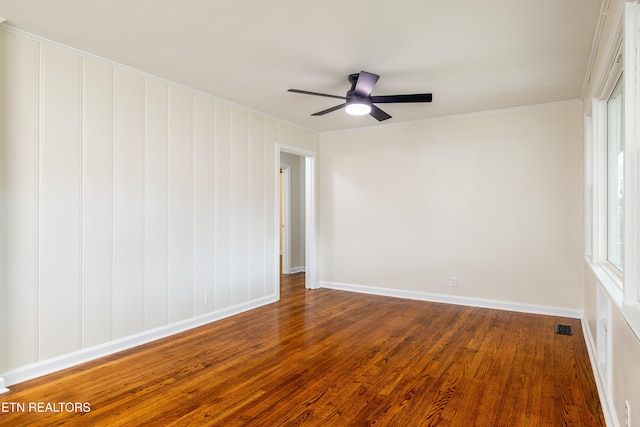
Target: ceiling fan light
{"x": 358, "y": 109}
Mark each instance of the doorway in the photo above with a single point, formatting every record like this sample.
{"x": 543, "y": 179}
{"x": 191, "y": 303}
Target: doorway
{"x": 305, "y": 258}
{"x": 287, "y": 199}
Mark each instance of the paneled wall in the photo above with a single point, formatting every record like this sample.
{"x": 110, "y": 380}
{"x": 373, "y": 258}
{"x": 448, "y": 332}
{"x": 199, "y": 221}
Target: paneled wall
{"x": 124, "y": 199}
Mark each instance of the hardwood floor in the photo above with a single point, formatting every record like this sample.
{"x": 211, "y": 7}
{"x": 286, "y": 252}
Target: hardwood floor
{"x": 327, "y": 357}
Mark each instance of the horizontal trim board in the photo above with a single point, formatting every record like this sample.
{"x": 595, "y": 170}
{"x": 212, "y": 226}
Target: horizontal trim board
{"x": 86, "y": 355}
{"x": 450, "y": 299}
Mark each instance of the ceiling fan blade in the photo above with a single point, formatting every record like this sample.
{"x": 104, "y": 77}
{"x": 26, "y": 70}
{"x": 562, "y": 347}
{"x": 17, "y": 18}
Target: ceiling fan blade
{"x": 328, "y": 110}
{"x": 306, "y": 92}
{"x": 379, "y": 114}
{"x": 364, "y": 85}
{"x": 417, "y": 97}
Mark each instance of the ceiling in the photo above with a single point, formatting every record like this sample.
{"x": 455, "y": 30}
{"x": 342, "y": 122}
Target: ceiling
{"x": 472, "y": 55}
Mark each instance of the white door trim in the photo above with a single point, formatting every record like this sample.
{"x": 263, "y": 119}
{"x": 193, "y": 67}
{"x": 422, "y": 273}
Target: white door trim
{"x": 310, "y": 213}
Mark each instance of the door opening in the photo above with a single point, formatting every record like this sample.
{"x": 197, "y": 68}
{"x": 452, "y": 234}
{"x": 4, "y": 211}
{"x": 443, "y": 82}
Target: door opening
{"x": 306, "y": 250}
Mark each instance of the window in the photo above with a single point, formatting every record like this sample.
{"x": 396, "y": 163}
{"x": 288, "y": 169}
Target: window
{"x": 615, "y": 176}
{"x": 612, "y": 173}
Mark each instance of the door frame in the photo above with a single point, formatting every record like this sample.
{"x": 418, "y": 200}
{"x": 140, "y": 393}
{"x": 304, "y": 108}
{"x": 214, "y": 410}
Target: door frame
{"x": 285, "y": 204}
{"x": 309, "y": 217}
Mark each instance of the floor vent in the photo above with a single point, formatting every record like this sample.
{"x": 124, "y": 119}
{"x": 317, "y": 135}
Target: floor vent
{"x": 564, "y": 330}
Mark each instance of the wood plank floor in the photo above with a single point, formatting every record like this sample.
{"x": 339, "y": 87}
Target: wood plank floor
{"x": 327, "y": 357}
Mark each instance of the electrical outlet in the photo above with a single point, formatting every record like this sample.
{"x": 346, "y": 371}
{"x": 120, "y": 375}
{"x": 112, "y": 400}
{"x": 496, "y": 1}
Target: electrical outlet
{"x": 207, "y": 297}
{"x": 454, "y": 281}
{"x": 627, "y": 414}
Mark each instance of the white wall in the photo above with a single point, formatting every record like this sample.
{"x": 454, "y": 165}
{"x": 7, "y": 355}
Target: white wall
{"x": 493, "y": 199}
{"x": 124, "y": 198}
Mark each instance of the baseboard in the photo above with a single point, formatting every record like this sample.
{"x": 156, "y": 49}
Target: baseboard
{"x": 49, "y": 366}
{"x": 607, "y": 410}
{"x": 3, "y": 389}
{"x": 451, "y": 299}
{"x": 300, "y": 269}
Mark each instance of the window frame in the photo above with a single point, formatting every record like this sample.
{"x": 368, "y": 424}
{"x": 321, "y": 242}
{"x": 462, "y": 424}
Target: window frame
{"x": 599, "y": 180}
{"x": 615, "y": 256}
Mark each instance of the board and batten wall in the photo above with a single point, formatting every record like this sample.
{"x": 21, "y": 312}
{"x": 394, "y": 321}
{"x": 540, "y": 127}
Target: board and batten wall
{"x": 124, "y": 199}
{"x": 492, "y": 199}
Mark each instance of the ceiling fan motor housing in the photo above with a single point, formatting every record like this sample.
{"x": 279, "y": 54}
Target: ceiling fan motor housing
{"x": 352, "y": 97}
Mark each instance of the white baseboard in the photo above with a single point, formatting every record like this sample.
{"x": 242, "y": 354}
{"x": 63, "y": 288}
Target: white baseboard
{"x": 451, "y": 299}
{"x": 3, "y": 389}
{"x": 607, "y": 410}
{"x": 48, "y": 366}
{"x": 300, "y": 269}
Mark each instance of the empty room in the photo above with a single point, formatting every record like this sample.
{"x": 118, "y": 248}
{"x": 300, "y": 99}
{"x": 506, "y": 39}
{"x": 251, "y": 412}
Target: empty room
{"x": 337, "y": 213}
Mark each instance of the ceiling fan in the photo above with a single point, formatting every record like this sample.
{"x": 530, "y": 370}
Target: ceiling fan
{"x": 359, "y": 100}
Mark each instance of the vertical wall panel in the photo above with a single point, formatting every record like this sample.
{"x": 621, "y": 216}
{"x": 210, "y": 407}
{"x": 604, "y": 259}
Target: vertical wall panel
{"x": 128, "y": 176}
{"x": 240, "y": 206}
{"x": 18, "y": 206}
{"x": 223, "y": 201}
{"x": 98, "y": 203}
{"x": 60, "y": 201}
{"x": 305, "y": 140}
{"x": 203, "y": 203}
{"x": 256, "y": 207}
{"x": 180, "y": 205}
{"x": 271, "y": 172}
{"x": 284, "y": 134}
{"x": 156, "y": 199}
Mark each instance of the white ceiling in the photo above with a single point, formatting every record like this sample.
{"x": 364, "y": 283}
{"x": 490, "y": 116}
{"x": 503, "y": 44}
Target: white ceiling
{"x": 472, "y": 55}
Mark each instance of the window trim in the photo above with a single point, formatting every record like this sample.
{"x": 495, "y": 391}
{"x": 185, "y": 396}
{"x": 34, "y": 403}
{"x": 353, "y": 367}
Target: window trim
{"x": 599, "y": 179}
{"x": 619, "y": 254}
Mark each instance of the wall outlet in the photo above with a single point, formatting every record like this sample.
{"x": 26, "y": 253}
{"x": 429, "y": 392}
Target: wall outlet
{"x": 207, "y": 297}
{"x": 454, "y": 281}
{"x": 627, "y": 414}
